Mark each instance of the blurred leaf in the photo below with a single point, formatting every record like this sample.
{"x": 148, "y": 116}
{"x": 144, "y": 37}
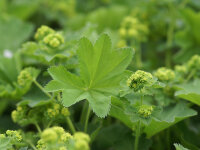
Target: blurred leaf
{"x": 190, "y": 91}
{"x": 14, "y": 32}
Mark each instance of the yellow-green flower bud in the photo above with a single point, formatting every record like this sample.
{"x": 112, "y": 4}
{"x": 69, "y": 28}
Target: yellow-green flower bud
{"x": 54, "y": 40}
{"x": 132, "y": 33}
{"x": 59, "y": 130}
{"x": 66, "y": 136}
{"x": 14, "y": 134}
{"x": 54, "y": 111}
{"x": 42, "y": 32}
{"x": 138, "y": 80}
{"x": 18, "y": 114}
{"x": 194, "y": 63}
{"x": 49, "y": 136}
{"x": 121, "y": 43}
{"x": 41, "y": 145}
{"x": 65, "y": 112}
{"x": 164, "y": 74}
{"x": 181, "y": 69}
{"x": 81, "y": 145}
{"x": 24, "y": 77}
{"x": 2, "y": 136}
{"x": 122, "y": 32}
{"x": 81, "y": 136}
{"x": 51, "y": 113}
{"x": 63, "y": 148}
{"x": 145, "y": 110}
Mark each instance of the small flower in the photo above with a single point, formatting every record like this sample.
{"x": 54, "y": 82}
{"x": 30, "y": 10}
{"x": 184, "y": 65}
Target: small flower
{"x": 181, "y": 69}
{"x": 63, "y": 148}
{"x": 131, "y": 27}
{"x": 66, "y": 136}
{"x": 194, "y": 63}
{"x": 121, "y": 43}
{"x": 2, "y": 136}
{"x": 164, "y": 74}
{"x": 132, "y": 33}
{"x": 122, "y": 32}
{"x": 65, "y": 112}
{"x": 18, "y": 114}
{"x": 138, "y": 80}
{"x": 41, "y": 145}
{"x": 81, "y": 141}
{"x": 49, "y": 136}
{"x": 81, "y": 145}
{"x": 42, "y": 32}
{"x": 54, "y": 40}
{"x": 14, "y": 134}
{"x": 81, "y": 136}
{"x": 54, "y": 110}
{"x": 24, "y": 77}
{"x": 145, "y": 110}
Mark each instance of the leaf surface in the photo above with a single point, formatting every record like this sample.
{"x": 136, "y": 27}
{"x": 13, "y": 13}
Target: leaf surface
{"x": 101, "y": 70}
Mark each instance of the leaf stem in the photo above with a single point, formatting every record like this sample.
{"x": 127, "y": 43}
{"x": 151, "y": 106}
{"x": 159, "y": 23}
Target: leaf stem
{"x": 83, "y": 113}
{"x": 38, "y": 127}
{"x": 31, "y": 144}
{"x": 87, "y": 119}
{"x": 70, "y": 124}
{"x": 190, "y": 75}
{"x": 137, "y": 136}
{"x": 41, "y": 88}
{"x": 141, "y": 98}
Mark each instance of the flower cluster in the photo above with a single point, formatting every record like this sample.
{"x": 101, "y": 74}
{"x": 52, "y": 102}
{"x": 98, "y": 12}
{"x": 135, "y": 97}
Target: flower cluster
{"x": 57, "y": 138}
{"x": 53, "y": 138}
{"x": 24, "y": 77}
{"x": 140, "y": 79}
{"x": 10, "y": 140}
{"x": 194, "y": 63}
{"x": 81, "y": 141}
{"x": 53, "y": 40}
{"x": 145, "y": 110}
{"x": 164, "y": 74}
{"x": 15, "y": 135}
{"x": 55, "y": 109}
{"x": 49, "y": 37}
{"x": 182, "y": 69}
{"x": 130, "y": 28}
{"x": 19, "y": 114}
{"x": 42, "y": 32}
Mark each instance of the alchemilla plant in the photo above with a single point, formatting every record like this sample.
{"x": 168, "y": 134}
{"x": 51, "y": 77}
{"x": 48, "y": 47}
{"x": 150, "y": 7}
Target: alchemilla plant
{"x": 99, "y": 75}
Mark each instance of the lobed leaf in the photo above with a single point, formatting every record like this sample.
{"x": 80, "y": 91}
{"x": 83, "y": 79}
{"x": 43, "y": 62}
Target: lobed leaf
{"x": 101, "y": 70}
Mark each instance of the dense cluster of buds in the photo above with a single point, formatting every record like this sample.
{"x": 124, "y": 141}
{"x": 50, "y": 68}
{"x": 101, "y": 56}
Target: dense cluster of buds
{"x": 194, "y": 63}
{"x": 57, "y": 138}
{"x": 42, "y": 32}
{"x": 164, "y": 74}
{"x": 182, "y": 69}
{"x": 24, "y": 77}
{"x": 19, "y": 114}
{"x": 53, "y": 40}
{"x": 49, "y": 37}
{"x": 145, "y": 110}
{"x": 132, "y": 28}
{"x": 138, "y": 80}
{"x": 55, "y": 109}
